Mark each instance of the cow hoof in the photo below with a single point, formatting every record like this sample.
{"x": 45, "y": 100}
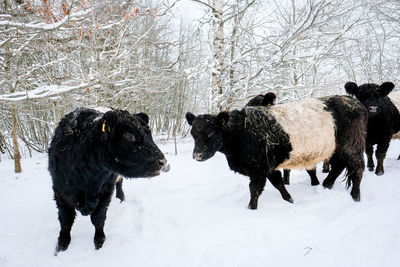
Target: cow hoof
{"x": 98, "y": 243}
{"x": 252, "y": 206}
{"x": 290, "y": 200}
{"x": 379, "y": 173}
{"x": 99, "y": 239}
{"x": 63, "y": 242}
{"x": 371, "y": 169}
{"x": 314, "y": 183}
{"x": 62, "y": 245}
{"x": 60, "y": 248}
{"x": 356, "y": 197}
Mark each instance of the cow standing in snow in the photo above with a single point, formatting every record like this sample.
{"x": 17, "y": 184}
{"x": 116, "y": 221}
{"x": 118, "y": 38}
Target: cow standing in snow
{"x": 383, "y": 118}
{"x": 88, "y": 151}
{"x": 258, "y": 140}
{"x": 268, "y": 100}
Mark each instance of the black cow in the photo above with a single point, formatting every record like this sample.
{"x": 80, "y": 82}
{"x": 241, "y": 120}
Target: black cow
{"x": 383, "y": 118}
{"x": 268, "y": 100}
{"x": 257, "y": 140}
{"x": 88, "y": 151}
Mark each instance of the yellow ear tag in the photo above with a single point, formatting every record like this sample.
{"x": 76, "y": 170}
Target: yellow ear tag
{"x": 223, "y": 122}
{"x": 103, "y": 128}
{"x": 268, "y": 105}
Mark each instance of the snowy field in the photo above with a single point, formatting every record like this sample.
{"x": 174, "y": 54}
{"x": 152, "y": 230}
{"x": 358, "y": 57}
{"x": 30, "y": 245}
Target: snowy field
{"x": 196, "y": 215}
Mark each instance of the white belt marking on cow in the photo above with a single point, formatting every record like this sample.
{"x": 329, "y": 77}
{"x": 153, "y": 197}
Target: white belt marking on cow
{"x": 311, "y": 131}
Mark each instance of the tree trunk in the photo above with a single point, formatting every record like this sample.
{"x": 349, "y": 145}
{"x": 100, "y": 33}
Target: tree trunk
{"x": 218, "y": 45}
{"x": 14, "y": 136}
{"x": 11, "y": 85}
{"x": 232, "y": 80}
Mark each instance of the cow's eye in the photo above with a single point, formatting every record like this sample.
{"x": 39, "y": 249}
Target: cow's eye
{"x": 210, "y": 135}
{"x": 130, "y": 137}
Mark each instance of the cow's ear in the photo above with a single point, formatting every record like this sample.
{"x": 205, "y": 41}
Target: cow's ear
{"x": 386, "y": 88}
{"x": 144, "y": 117}
{"x": 351, "y": 88}
{"x": 190, "y": 118}
{"x": 223, "y": 118}
{"x": 255, "y": 101}
{"x": 268, "y": 99}
{"x": 108, "y": 121}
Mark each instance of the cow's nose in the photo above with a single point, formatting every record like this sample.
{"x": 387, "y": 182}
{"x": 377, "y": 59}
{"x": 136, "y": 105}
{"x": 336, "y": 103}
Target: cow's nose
{"x": 163, "y": 162}
{"x": 198, "y": 156}
{"x": 164, "y": 165}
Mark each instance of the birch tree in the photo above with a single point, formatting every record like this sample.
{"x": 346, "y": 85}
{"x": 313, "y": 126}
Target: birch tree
{"x": 223, "y": 13}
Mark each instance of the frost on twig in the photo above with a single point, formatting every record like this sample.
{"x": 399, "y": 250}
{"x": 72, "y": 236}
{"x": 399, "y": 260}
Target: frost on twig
{"x": 41, "y": 92}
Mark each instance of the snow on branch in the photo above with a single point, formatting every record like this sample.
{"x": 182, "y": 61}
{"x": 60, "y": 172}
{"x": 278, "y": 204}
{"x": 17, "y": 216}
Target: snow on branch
{"x": 41, "y": 92}
{"x": 47, "y": 26}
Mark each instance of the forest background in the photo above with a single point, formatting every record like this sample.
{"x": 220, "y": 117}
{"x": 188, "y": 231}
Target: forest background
{"x": 167, "y": 57}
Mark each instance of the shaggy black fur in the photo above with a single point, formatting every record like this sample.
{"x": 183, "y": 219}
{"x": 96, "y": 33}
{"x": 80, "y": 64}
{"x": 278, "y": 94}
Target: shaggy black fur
{"x": 351, "y": 119}
{"x": 87, "y": 153}
{"x": 255, "y": 148}
{"x": 268, "y": 100}
{"x": 383, "y": 119}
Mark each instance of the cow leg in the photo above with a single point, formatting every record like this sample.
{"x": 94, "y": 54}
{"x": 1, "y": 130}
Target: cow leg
{"x": 355, "y": 177}
{"x": 369, "y": 150}
{"x": 325, "y": 166}
{"x": 66, "y": 216}
{"x": 336, "y": 169}
{"x": 380, "y": 156}
{"x": 355, "y": 168}
{"x": 119, "y": 191}
{"x": 276, "y": 180}
{"x": 256, "y": 187}
{"x": 99, "y": 215}
{"x": 313, "y": 176}
{"x": 286, "y": 176}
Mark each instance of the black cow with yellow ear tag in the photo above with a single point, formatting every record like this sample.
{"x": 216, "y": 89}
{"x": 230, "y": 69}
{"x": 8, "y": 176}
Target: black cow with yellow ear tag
{"x": 87, "y": 154}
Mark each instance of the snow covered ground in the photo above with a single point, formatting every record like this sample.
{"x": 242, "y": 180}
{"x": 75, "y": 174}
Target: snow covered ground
{"x": 196, "y": 215}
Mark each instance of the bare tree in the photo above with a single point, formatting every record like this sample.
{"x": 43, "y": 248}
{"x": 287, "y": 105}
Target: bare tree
{"x": 223, "y": 13}
{"x": 63, "y": 54}
{"x": 58, "y": 55}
